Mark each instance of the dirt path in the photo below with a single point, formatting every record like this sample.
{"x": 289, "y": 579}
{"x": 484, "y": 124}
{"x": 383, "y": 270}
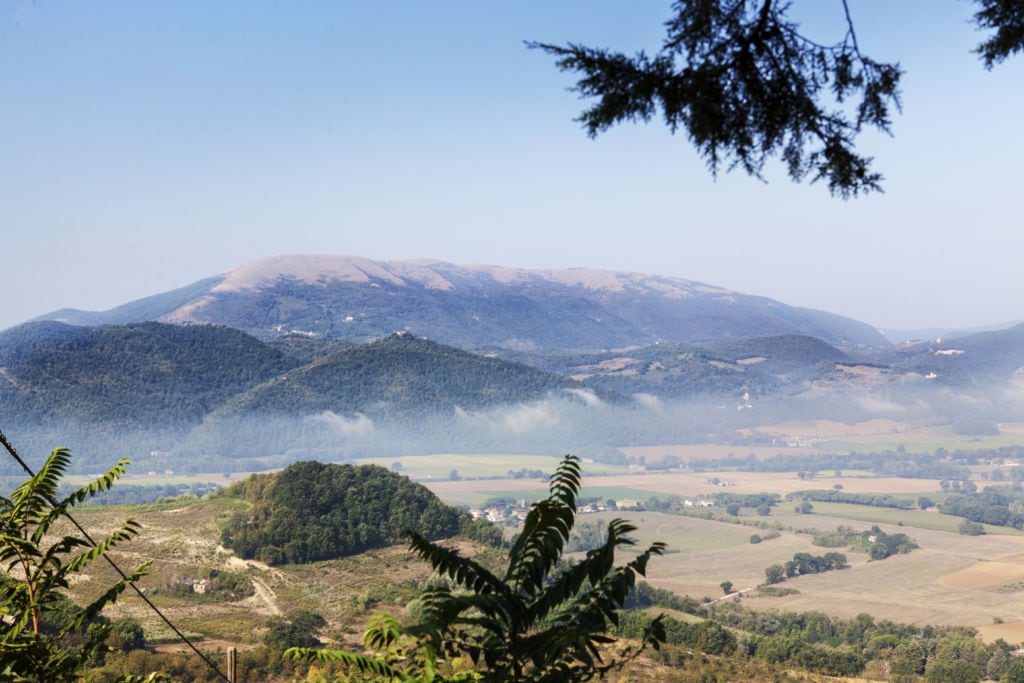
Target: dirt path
{"x": 265, "y": 595}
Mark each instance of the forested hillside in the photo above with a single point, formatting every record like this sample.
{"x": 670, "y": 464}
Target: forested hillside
{"x": 761, "y": 366}
{"x": 128, "y": 375}
{"x": 977, "y": 359}
{"x": 193, "y": 398}
{"x": 313, "y": 511}
{"x": 184, "y": 397}
{"x": 402, "y": 374}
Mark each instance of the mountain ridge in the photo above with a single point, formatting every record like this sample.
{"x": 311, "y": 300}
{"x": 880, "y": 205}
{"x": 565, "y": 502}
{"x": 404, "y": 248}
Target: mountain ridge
{"x": 476, "y": 306}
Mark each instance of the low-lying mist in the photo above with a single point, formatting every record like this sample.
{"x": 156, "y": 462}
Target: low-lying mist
{"x": 569, "y": 421}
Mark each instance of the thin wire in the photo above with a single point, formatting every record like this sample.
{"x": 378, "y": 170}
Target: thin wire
{"x": 85, "y": 534}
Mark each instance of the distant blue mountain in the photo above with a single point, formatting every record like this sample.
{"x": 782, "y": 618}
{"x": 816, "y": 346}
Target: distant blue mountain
{"x": 476, "y": 307}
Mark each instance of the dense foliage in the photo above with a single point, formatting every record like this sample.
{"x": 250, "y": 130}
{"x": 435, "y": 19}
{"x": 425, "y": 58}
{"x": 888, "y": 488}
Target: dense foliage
{"x": 996, "y": 505}
{"x": 298, "y": 628}
{"x": 706, "y": 636}
{"x": 129, "y": 374}
{"x": 847, "y": 646}
{"x": 135, "y": 494}
{"x": 402, "y": 373}
{"x": 46, "y": 638}
{"x": 313, "y": 511}
{"x": 746, "y": 85}
{"x": 875, "y": 542}
{"x": 803, "y": 564}
{"x": 711, "y": 368}
{"x": 938, "y": 465}
{"x": 543, "y": 621}
{"x": 881, "y": 500}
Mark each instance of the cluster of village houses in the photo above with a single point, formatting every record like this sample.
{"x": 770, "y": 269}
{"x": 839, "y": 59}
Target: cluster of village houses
{"x": 515, "y": 513}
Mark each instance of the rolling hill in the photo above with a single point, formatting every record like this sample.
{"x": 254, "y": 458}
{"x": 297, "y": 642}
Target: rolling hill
{"x": 203, "y": 392}
{"x": 403, "y": 374}
{"x": 128, "y": 374}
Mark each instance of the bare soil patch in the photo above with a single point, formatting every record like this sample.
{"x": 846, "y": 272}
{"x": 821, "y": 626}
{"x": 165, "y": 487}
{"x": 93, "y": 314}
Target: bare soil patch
{"x": 1010, "y": 632}
{"x": 985, "y": 574}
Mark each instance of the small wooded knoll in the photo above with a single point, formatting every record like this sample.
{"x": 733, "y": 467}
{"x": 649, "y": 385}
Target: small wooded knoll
{"x": 313, "y": 511}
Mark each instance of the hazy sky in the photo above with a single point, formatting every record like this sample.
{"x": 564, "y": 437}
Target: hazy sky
{"x": 147, "y": 145}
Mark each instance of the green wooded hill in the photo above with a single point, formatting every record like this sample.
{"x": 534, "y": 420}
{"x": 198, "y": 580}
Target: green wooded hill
{"x": 980, "y": 358}
{"x": 128, "y": 375}
{"x": 185, "y": 397}
{"x": 303, "y": 349}
{"x": 399, "y": 374}
{"x": 171, "y": 374}
{"x": 762, "y": 365}
{"x": 312, "y": 511}
{"x": 205, "y": 397}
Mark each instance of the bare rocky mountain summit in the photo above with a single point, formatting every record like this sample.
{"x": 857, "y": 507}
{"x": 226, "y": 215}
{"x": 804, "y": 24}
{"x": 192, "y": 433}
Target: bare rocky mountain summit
{"x": 476, "y": 306}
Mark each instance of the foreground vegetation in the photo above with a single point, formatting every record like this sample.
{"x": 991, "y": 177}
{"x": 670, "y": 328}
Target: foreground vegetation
{"x": 541, "y": 621}
{"x": 759, "y": 632}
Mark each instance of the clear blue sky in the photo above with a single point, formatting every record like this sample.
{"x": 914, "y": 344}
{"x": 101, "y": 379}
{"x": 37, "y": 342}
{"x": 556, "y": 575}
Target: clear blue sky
{"x": 147, "y": 145}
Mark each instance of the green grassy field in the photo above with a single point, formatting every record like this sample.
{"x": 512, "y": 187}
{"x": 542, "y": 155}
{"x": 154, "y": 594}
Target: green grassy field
{"x": 939, "y": 437}
{"x": 848, "y": 474}
{"x": 921, "y": 519}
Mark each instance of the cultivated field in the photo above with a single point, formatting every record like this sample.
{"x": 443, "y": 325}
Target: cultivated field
{"x": 439, "y": 466}
{"x": 643, "y": 486}
{"x": 827, "y": 436}
{"x": 950, "y": 579}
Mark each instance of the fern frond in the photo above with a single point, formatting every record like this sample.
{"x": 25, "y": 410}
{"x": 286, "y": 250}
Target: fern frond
{"x": 102, "y": 483}
{"x": 598, "y": 564}
{"x": 565, "y": 482}
{"x": 45, "y": 485}
{"x": 93, "y": 609}
{"x": 607, "y": 597}
{"x": 539, "y": 547}
{"x": 444, "y": 610}
{"x": 366, "y": 665}
{"x": 447, "y": 562}
{"x": 382, "y": 631}
{"x": 32, "y": 501}
{"x": 128, "y": 530}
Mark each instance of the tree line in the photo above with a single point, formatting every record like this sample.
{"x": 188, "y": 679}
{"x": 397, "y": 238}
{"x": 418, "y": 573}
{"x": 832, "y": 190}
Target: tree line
{"x": 996, "y": 505}
{"x": 940, "y": 464}
{"x": 882, "y": 500}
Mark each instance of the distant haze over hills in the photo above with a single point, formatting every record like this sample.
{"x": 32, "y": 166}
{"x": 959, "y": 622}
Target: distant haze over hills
{"x": 336, "y": 357}
{"x": 931, "y": 333}
{"x": 475, "y": 306}
{"x": 212, "y": 398}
